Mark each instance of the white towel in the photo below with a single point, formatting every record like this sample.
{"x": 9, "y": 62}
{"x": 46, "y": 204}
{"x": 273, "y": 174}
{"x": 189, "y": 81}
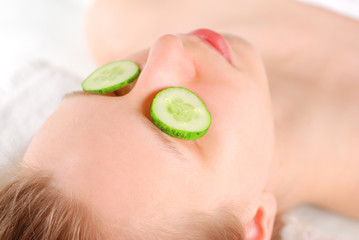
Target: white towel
{"x": 27, "y": 100}
{"x": 349, "y": 8}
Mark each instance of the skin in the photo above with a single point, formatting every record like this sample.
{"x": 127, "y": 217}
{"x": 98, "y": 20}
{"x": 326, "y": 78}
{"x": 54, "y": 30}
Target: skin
{"x": 311, "y": 59}
{"x": 313, "y": 84}
{"x": 106, "y": 151}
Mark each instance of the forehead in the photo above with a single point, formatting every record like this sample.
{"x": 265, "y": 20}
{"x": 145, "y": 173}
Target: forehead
{"x": 98, "y": 155}
{"x": 125, "y": 171}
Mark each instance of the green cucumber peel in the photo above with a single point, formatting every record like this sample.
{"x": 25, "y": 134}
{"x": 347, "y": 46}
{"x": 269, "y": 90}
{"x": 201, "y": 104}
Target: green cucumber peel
{"x": 111, "y": 77}
{"x": 180, "y": 113}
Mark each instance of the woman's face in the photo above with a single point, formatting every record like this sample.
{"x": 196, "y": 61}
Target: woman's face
{"x": 106, "y": 151}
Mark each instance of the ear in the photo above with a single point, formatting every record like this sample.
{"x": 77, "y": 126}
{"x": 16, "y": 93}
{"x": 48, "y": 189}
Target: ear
{"x": 261, "y": 226}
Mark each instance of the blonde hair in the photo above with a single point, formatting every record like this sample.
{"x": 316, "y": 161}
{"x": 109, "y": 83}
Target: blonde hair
{"x": 31, "y": 207}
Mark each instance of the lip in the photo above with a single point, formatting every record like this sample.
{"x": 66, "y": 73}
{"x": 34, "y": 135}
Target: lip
{"x": 216, "y": 40}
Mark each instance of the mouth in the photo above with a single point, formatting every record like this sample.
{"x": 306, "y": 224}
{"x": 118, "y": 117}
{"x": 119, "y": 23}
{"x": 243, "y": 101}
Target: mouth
{"x": 216, "y": 40}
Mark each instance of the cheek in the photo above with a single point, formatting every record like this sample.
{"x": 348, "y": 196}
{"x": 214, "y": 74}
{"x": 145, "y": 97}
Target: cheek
{"x": 107, "y": 29}
{"x": 241, "y": 133}
{"x": 238, "y": 110}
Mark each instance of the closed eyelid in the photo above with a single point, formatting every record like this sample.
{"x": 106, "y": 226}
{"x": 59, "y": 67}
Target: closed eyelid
{"x": 169, "y": 145}
{"x": 84, "y": 93}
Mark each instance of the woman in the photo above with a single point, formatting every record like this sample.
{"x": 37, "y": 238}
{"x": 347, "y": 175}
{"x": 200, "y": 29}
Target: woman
{"x": 99, "y": 169}
{"x": 175, "y": 181}
{"x": 311, "y": 58}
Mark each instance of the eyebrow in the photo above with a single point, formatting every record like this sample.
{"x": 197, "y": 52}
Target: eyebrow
{"x": 77, "y": 93}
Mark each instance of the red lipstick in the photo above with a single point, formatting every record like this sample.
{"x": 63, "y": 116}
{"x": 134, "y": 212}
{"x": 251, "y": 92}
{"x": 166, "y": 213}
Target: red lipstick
{"x": 216, "y": 40}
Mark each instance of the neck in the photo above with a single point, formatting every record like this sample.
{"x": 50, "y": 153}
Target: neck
{"x": 291, "y": 180}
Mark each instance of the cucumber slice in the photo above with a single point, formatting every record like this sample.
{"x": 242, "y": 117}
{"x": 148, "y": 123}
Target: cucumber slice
{"x": 180, "y": 113}
{"x": 111, "y": 77}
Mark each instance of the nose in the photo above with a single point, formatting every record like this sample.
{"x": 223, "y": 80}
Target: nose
{"x": 168, "y": 65}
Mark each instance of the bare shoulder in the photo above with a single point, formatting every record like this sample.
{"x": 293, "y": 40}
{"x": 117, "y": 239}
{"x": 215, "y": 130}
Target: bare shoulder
{"x": 315, "y": 91}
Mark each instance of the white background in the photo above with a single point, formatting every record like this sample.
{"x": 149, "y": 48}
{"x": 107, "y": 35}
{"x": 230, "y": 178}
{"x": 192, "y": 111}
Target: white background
{"x": 42, "y": 29}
